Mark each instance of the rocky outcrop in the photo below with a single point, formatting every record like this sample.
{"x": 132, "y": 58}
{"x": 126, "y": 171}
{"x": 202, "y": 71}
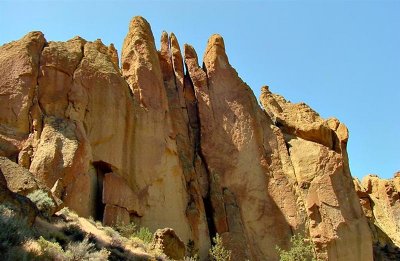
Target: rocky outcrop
{"x": 19, "y": 179}
{"x": 380, "y": 200}
{"x": 22, "y": 206}
{"x": 169, "y": 243}
{"x": 165, "y": 142}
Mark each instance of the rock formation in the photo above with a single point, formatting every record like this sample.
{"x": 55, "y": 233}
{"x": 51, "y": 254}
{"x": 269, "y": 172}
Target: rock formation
{"x": 380, "y": 200}
{"x": 165, "y": 142}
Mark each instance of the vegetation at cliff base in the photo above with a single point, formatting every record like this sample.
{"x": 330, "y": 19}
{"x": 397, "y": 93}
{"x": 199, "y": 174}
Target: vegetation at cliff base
{"x": 301, "y": 250}
{"x": 218, "y": 252}
{"x": 43, "y": 202}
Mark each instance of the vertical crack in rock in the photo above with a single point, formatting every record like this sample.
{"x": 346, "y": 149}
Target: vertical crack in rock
{"x": 212, "y": 195}
{"x": 181, "y": 101}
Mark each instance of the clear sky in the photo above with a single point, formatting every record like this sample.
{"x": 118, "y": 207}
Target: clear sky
{"x": 340, "y": 57}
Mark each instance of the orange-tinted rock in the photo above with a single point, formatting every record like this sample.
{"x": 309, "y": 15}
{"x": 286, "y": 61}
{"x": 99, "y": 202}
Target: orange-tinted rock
{"x": 234, "y": 137}
{"x": 113, "y": 187}
{"x": 183, "y": 111}
{"x": 19, "y": 179}
{"x": 157, "y": 171}
{"x": 192, "y": 151}
{"x": 114, "y": 215}
{"x": 297, "y": 119}
{"x": 113, "y": 54}
{"x": 169, "y": 243}
{"x": 19, "y": 72}
{"x": 385, "y": 200}
{"x": 22, "y": 205}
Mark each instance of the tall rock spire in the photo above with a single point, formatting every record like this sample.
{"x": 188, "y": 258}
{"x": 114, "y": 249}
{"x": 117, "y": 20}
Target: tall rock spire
{"x": 141, "y": 66}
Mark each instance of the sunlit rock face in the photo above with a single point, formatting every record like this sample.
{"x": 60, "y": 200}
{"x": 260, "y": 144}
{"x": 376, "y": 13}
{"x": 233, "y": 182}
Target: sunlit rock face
{"x": 380, "y": 200}
{"x": 168, "y": 141}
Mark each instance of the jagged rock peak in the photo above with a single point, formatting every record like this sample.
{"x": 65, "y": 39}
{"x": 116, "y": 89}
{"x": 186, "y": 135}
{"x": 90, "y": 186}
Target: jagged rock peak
{"x": 141, "y": 65}
{"x": 215, "y": 54}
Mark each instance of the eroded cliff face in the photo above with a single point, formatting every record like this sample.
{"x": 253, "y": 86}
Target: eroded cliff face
{"x": 165, "y": 142}
{"x": 380, "y": 200}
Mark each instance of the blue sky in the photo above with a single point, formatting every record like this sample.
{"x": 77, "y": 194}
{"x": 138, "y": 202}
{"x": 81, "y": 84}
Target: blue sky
{"x": 340, "y": 57}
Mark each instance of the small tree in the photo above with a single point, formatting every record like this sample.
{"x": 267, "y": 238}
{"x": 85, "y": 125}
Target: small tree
{"x": 126, "y": 230}
{"x": 301, "y": 250}
{"x": 218, "y": 252}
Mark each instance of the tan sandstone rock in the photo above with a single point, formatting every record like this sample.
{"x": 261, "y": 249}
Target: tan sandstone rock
{"x": 298, "y": 119}
{"x": 169, "y": 243}
{"x": 19, "y": 71}
{"x": 157, "y": 172}
{"x": 385, "y": 199}
{"x": 22, "y": 205}
{"x": 188, "y": 149}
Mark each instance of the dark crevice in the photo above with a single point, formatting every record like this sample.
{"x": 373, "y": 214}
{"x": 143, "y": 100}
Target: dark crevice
{"x": 288, "y": 146}
{"x": 208, "y": 206}
{"x": 101, "y": 169}
{"x": 35, "y": 98}
{"x": 80, "y": 60}
{"x": 210, "y": 216}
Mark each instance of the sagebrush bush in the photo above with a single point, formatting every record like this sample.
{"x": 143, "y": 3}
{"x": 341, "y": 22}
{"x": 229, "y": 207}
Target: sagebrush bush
{"x": 218, "y": 252}
{"x": 20, "y": 253}
{"x": 85, "y": 251}
{"x": 43, "y": 202}
{"x": 51, "y": 250}
{"x": 301, "y": 250}
{"x": 74, "y": 251}
{"x": 14, "y": 230}
{"x": 111, "y": 232}
{"x": 74, "y": 232}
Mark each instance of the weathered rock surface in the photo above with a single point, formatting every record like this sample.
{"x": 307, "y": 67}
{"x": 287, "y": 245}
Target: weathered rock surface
{"x": 380, "y": 200}
{"x": 21, "y": 204}
{"x": 19, "y": 179}
{"x": 169, "y": 243}
{"x": 165, "y": 142}
{"x": 21, "y": 182}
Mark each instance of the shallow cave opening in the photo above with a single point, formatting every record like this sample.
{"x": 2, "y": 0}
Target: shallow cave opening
{"x": 101, "y": 169}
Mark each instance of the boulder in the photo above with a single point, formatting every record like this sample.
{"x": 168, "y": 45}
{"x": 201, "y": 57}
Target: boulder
{"x": 21, "y": 204}
{"x": 169, "y": 243}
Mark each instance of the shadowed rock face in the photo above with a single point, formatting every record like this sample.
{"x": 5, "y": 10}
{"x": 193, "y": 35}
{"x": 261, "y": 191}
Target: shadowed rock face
{"x": 165, "y": 142}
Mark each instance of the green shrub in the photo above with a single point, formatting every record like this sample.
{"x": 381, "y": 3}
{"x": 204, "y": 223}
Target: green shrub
{"x": 14, "y": 230}
{"x": 51, "y": 250}
{"x": 43, "y": 202}
{"x": 131, "y": 230}
{"x": 144, "y": 234}
{"x": 301, "y": 250}
{"x": 218, "y": 252}
{"x": 126, "y": 230}
{"x": 21, "y": 254}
